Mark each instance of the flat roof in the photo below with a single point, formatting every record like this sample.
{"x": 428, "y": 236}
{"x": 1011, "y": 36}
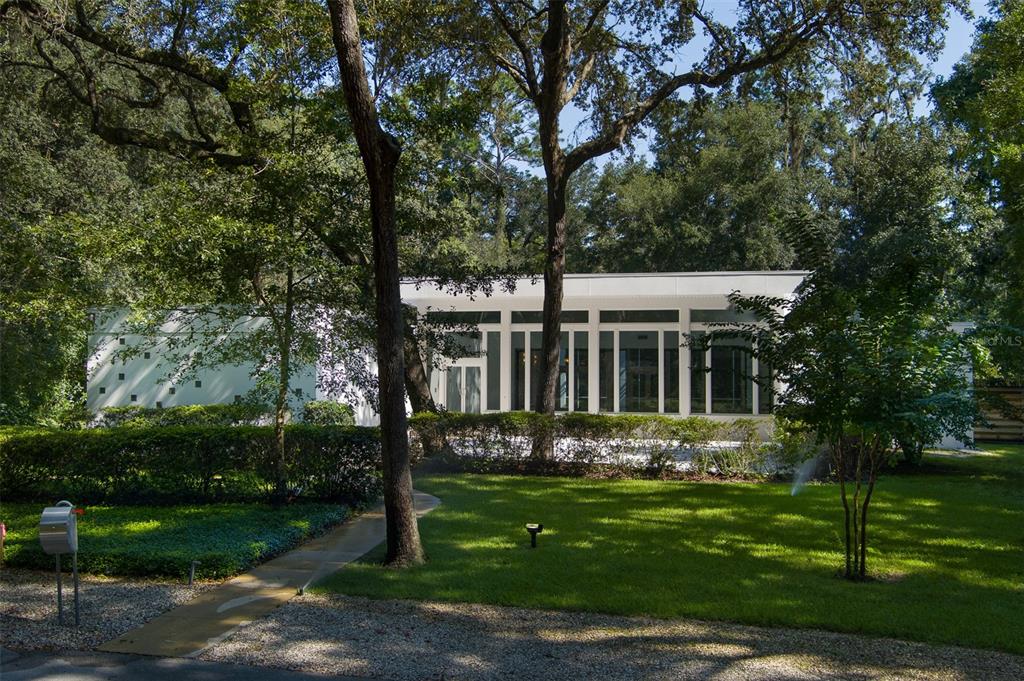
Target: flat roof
{"x": 619, "y": 285}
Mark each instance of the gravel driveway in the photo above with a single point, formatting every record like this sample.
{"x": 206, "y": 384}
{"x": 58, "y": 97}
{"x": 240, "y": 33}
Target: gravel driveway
{"x": 110, "y": 607}
{"x": 411, "y": 640}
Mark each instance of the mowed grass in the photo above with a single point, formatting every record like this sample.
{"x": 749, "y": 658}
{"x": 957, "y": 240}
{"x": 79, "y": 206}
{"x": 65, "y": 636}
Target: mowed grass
{"x": 164, "y": 540}
{"x": 947, "y": 551}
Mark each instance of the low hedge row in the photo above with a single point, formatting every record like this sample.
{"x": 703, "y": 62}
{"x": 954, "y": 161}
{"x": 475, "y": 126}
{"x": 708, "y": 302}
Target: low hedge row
{"x": 188, "y": 464}
{"x": 244, "y": 414}
{"x": 627, "y": 443}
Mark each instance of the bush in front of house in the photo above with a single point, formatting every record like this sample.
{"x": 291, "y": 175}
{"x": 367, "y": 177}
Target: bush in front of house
{"x": 328, "y": 413}
{"x": 237, "y": 414}
{"x": 188, "y": 464}
{"x": 627, "y": 444}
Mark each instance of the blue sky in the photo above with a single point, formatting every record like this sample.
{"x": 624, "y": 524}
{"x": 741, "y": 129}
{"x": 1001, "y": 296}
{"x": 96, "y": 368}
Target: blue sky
{"x": 958, "y": 42}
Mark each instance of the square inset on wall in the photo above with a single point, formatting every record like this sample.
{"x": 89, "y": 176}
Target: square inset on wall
{"x": 120, "y": 341}
{"x": 120, "y": 377}
{"x": 171, "y": 391}
{"x": 145, "y": 355}
{"x": 159, "y": 405}
{"x": 199, "y": 384}
{"x": 135, "y": 398}
{"x": 103, "y": 390}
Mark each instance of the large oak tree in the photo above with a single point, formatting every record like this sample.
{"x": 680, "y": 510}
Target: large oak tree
{"x": 619, "y": 60}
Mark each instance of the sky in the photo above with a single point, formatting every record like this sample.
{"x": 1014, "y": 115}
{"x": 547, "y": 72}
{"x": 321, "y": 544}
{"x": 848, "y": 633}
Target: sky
{"x": 959, "y": 37}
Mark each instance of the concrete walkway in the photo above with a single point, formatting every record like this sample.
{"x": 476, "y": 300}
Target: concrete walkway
{"x": 189, "y": 629}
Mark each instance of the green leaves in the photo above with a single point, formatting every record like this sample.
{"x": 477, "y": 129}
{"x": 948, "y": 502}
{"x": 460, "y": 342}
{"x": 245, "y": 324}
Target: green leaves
{"x": 189, "y": 463}
{"x": 164, "y": 540}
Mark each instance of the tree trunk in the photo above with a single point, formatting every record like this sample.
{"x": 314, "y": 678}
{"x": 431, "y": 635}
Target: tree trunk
{"x": 554, "y": 277}
{"x": 380, "y": 152}
{"x": 841, "y": 470}
{"x": 555, "y": 47}
{"x": 283, "y": 381}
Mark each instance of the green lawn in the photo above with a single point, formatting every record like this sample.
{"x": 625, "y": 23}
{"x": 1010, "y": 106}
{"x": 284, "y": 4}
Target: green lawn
{"x": 164, "y": 540}
{"x": 947, "y": 548}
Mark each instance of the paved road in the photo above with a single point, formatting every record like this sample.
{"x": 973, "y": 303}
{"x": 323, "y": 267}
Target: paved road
{"x": 72, "y": 666}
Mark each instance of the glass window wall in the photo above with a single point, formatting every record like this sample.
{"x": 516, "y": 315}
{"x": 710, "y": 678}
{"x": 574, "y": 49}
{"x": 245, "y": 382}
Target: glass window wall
{"x": 732, "y": 385}
{"x": 638, "y": 371}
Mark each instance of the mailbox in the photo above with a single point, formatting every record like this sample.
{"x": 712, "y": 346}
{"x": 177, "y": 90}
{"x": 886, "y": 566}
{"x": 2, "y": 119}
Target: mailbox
{"x": 58, "y": 529}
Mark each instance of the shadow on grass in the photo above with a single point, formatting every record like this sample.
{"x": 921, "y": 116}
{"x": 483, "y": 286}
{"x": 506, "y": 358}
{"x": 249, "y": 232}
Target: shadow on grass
{"x": 743, "y": 552}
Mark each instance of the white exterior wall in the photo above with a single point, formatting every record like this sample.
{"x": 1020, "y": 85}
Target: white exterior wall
{"x": 152, "y": 380}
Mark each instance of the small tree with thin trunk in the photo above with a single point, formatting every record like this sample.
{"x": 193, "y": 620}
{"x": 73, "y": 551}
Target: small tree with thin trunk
{"x": 865, "y": 351}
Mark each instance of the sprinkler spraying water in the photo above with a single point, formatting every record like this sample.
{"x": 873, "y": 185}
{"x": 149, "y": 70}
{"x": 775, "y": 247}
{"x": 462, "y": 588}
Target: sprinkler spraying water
{"x": 804, "y": 473}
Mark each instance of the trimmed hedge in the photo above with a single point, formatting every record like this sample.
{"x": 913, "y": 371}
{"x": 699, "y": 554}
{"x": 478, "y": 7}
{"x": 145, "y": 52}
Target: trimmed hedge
{"x": 326, "y": 413}
{"x": 626, "y": 443}
{"x": 188, "y": 464}
{"x": 242, "y": 414}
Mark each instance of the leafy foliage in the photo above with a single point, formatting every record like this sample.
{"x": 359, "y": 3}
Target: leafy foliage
{"x": 866, "y": 348}
{"x": 187, "y": 415}
{"x": 598, "y": 443}
{"x": 981, "y": 101}
{"x": 327, "y": 413}
{"x": 142, "y": 465}
{"x": 163, "y": 541}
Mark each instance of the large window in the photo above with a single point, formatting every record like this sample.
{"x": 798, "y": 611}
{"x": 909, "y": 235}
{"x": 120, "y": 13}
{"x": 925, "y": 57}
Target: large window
{"x": 581, "y": 371}
{"x": 535, "y": 351}
{"x": 638, "y": 371}
{"x": 606, "y": 364}
{"x": 518, "y": 371}
{"x": 494, "y": 370}
{"x": 562, "y": 393}
{"x": 698, "y": 373}
{"x": 453, "y": 400}
{"x": 765, "y": 399}
{"x": 670, "y": 365}
{"x": 732, "y": 385}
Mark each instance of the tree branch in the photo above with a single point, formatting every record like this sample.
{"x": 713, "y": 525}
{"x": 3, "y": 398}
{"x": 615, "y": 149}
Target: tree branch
{"x": 529, "y": 70}
{"x": 613, "y": 137}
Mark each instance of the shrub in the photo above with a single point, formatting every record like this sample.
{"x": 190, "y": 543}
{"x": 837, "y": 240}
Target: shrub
{"x": 188, "y": 463}
{"x": 239, "y": 414}
{"x": 120, "y": 540}
{"x": 626, "y": 444}
{"x": 327, "y": 413}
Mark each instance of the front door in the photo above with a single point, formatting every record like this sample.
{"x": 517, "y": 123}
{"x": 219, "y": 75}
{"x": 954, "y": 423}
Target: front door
{"x": 461, "y": 386}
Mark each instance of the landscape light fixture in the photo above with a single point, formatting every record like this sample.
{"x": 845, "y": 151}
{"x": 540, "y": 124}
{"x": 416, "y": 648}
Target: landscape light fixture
{"x": 534, "y": 529}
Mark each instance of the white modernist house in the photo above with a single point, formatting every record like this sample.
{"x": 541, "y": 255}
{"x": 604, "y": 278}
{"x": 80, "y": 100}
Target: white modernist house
{"x": 622, "y": 350}
{"x": 622, "y": 344}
